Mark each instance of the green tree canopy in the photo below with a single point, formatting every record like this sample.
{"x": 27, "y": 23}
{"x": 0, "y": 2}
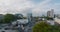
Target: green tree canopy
{"x": 8, "y": 18}
{"x": 44, "y": 27}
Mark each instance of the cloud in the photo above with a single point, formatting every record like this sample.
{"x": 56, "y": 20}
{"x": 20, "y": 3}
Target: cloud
{"x": 14, "y": 6}
{"x": 37, "y": 7}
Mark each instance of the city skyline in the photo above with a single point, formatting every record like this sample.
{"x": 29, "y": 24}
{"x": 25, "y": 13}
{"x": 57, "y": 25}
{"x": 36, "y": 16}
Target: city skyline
{"x": 37, "y": 7}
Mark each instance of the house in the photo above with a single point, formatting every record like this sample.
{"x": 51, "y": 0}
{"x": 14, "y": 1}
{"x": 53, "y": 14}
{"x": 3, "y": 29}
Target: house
{"x": 57, "y": 20}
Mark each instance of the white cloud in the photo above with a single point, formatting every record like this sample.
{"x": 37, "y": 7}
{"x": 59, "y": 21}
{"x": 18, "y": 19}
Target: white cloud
{"x": 14, "y": 5}
{"x": 22, "y": 6}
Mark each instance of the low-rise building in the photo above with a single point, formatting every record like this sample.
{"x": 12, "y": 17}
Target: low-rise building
{"x": 57, "y": 20}
{"x": 20, "y": 21}
{"x": 51, "y": 22}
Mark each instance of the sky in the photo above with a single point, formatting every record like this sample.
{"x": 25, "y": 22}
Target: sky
{"x": 38, "y": 7}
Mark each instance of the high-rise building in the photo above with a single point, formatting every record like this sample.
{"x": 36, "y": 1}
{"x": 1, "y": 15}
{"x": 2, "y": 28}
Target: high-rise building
{"x": 29, "y": 17}
{"x": 50, "y": 13}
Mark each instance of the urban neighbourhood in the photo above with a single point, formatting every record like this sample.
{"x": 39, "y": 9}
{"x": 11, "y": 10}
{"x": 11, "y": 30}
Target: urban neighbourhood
{"x": 20, "y": 23}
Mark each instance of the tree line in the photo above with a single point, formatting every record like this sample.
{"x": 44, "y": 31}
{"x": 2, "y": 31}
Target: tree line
{"x": 8, "y": 18}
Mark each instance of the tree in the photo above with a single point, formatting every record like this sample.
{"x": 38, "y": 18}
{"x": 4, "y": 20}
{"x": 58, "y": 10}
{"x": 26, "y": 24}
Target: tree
{"x": 8, "y": 18}
{"x": 44, "y": 27}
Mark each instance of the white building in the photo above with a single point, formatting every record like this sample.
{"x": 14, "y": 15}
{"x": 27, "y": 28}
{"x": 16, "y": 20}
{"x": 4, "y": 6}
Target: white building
{"x": 50, "y": 13}
{"x": 21, "y": 21}
{"x": 57, "y": 20}
{"x": 51, "y": 22}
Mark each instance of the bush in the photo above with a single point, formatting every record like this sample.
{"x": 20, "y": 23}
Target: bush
{"x": 44, "y": 27}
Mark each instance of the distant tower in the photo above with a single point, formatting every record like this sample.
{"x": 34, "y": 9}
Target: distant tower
{"x": 29, "y": 16}
{"x": 50, "y": 13}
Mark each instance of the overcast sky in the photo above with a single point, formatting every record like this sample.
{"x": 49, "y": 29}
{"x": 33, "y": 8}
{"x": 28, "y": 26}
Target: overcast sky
{"x": 37, "y": 7}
